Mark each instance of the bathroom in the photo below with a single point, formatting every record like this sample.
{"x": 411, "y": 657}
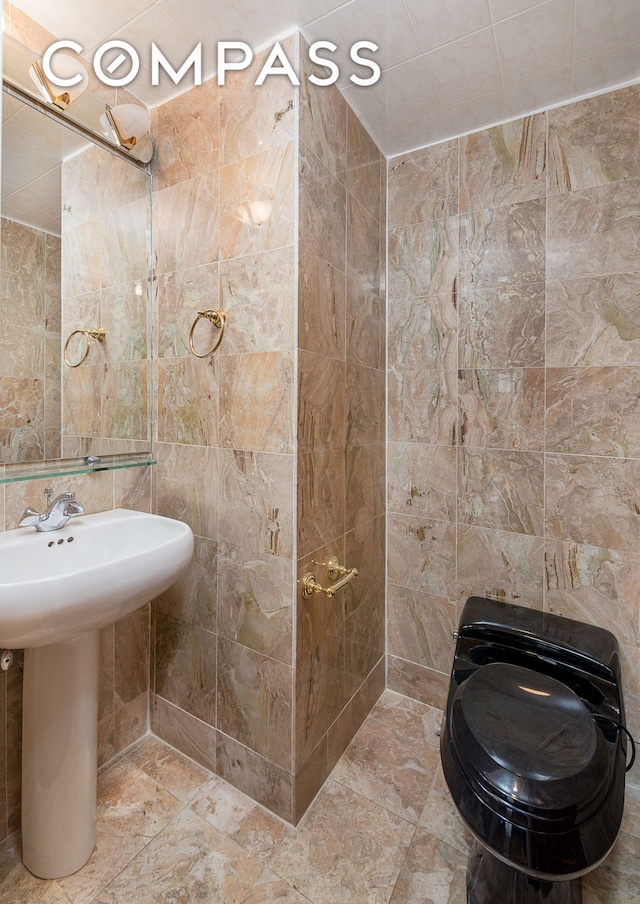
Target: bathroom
{"x": 416, "y": 377}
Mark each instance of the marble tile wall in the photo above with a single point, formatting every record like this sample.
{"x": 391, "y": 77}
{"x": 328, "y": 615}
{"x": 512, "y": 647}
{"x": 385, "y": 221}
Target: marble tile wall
{"x": 29, "y": 343}
{"x": 223, "y": 658}
{"x": 340, "y": 430}
{"x": 514, "y": 353}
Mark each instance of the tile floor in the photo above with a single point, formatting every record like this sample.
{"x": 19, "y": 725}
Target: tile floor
{"x": 381, "y": 831}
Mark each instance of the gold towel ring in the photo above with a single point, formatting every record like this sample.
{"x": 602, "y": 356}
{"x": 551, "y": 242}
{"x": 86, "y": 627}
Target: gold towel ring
{"x": 98, "y": 334}
{"x": 217, "y": 319}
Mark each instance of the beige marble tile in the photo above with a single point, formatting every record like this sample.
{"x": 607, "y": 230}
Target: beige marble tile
{"x": 321, "y": 305}
{"x": 255, "y": 601}
{"x": 502, "y": 245}
{"x": 269, "y": 889}
{"x": 124, "y": 316}
{"x": 112, "y": 853}
{"x": 321, "y": 402}
{"x": 422, "y": 405}
{"x": 365, "y": 398}
{"x": 239, "y": 817}
{"x": 18, "y": 886}
{"x": 126, "y": 237}
{"x": 432, "y": 868}
{"x": 256, "y": 491}
{"x": 354, "y": 714}
{"x": 501, "y": 489}
{"x": 185, "y": 666}
{"x": 593, "y": 321}
{"x": 388, "y": 769}
{"x": 258, "y": 297}
{"x": 189, "y": 859}
{"x": 193, "y": 598}
{"x": 421, "y": 480}
{"x": 617, "y": 880}
{"x": 365, "y": 326}
{"x": 592, "y": 500}
{"x": 423, "y": 259}
{"x": 440, "y": 817}
{"x": 421, "y": 554}
{"x": 323, "y": 118}
{"x": 256, "y": 402}
{"x": 407, "y": 716}
{"x": 423, "y": 333}
{"x": 254, "y": 701}
{"x": 500, "y": 564}
{"x": 420, "y": 627}
{"x": 82, "y": 400}
{"x": 581, "y": 152}
{"x": 131, "y": 722}
{"x": 267, "y": 177}
{"x": 131, "y": 644}
{"x": 592, "y": 411}
{"x": 321, "y": 479}
{"x": 423, "y": 185}
{"x": 194, "y": 203}
{"x": 179, "y": 296}
{"x": 364, "y": 484}
{"x": 255, "y": 118}
{"x": 346, "y": 849}
{"x": 322, "y": 210}
{"x": 185, "y": 732}
{"x": 502, "y": 409}
{"x": 502, "y": 327}
{"x": 596, "y": 586}
{"x": 82, "y": 258}
{"x": 363, "y": 261}
{"x": 416, "y": 681}
{"x": 125, "y": 401}
{"x": 504, "y": 165}
{"x": 260, "y": 778}
{"x": 593, "y": 232}
{"x": 171, "y": 769}
{"x": 186, "y": 136}
{"x": 187, "y": 406}
{"x": 186, "y": 479}
{"x": 132, "y": 803}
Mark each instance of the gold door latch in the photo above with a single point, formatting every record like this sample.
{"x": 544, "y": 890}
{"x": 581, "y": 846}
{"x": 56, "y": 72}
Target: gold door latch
{"x": 335, "y": 569}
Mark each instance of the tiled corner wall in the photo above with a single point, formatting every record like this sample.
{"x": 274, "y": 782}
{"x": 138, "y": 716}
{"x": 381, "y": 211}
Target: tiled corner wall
{"x": 514, "y": 380}
{"x": 340, "y": 457}
{"x": 29, "y": 343}
{"x": 223, "y": 636}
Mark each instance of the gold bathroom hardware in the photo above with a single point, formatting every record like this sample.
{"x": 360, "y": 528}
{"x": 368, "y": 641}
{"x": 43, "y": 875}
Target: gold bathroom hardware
{"x": 217, "y": 318}
{"x": 335, "y": 569}
{"x": 98, "y": 334}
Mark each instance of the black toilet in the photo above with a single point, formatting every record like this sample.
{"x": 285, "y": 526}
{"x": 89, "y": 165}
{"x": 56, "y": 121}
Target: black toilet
{"x": 533, "y": 749}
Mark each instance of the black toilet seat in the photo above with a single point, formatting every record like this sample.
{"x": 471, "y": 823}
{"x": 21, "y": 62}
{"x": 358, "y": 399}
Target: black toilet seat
{"x": 527, "y": 740}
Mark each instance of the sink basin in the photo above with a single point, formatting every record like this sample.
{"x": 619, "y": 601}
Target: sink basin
{"x": 94, "y": 571}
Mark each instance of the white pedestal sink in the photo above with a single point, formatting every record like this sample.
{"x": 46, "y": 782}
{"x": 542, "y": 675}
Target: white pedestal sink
{"x": 57, "y": 590}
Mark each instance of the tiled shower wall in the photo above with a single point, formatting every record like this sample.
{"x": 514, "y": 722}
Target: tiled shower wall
{"x": 30, "y": 343}
{"x": 340, "y": 478}
{"x": 223, "y": 636}
{"x": 514, "y": 379}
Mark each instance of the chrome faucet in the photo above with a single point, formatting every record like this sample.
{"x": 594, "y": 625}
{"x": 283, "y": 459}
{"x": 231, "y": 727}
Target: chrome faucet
{"x": 57, "y": 514}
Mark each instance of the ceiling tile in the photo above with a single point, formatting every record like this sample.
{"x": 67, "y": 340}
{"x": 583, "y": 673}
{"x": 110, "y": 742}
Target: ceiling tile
{"x": 614, "y": 67}
{"x": 210, "y": 22}
{"x": 427, "y": 129}
{"x": 502, "y": 9}
{"x": 483, "y": 111}
{"x": 541, "y": 91}
{"x": 155, "y": 26}
{"x": 602, "y": 26}
{"x": 535, "y": 41}
{"x": 88, "y": 23}
{"x": 386, "y": 24}
{"x": 406, "y": 91}
{"x": 436, "y": 24}
{"x": 465, "y": 68}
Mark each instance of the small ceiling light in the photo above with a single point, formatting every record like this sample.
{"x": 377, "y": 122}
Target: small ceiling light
{"x": 67, "y": 67}
{"x": 128, "y": 123}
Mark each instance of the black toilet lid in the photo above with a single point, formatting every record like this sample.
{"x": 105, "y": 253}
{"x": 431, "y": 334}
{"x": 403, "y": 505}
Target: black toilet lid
{"x": 529, "y": 737}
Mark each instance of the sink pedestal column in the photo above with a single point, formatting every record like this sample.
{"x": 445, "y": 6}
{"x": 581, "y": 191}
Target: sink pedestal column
{"x": 59, "y": 755}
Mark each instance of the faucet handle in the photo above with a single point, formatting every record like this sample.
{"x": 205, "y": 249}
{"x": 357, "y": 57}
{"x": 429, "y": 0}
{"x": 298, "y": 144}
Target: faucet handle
{"x": 29, "y": 517}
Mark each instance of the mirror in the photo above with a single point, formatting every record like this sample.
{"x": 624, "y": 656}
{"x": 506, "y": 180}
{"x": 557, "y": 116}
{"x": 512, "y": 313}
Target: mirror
{"x": 75, "y": 256}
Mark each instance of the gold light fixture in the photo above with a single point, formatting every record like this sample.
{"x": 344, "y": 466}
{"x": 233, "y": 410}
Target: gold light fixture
{"x": 128, "y": 123}
{"x": 67, "y": 67}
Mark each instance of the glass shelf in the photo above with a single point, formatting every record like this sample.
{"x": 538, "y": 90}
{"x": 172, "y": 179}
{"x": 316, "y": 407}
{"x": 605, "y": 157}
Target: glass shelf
{"x": 12, "y": 473}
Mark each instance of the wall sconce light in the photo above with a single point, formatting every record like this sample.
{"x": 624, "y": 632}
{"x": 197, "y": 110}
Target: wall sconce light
{"x": 66, "y": 67}
{"x": 128, "y": 123}
{"x": 255, "y": 212}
